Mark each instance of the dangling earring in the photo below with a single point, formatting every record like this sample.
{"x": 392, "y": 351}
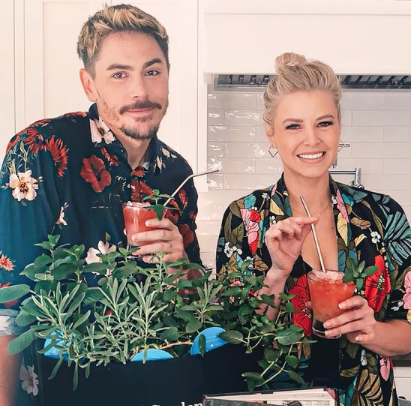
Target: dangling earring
{"x": 270, "y": 152}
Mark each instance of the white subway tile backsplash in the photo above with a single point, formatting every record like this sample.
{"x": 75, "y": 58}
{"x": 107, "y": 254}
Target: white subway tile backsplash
{"x": 398, "y": 101}
{"x": 377, "y": 125}
{"x": 397, "y": 134}
{"x": 380, "y": 150}
{"x": 231, "y": 133}
{"x": 381, "y": 118}
{"x": 215, "y": 149}
{"x": 233, "y": 100}
{"x": 245, "y": 149}
{"x": 252, "y": 181}
{"x": 233, "y": 165}
{"x": 359, "y": 100}
{"x": 397, "y": 166}
{"x": 243, "y": 117}
{"x": 215, "y": 116}
{"x": 367, "y": 166}
{"x": 346, "y": 118}
{"x": 269, "y": 165}
{"x": 362, "y": 134}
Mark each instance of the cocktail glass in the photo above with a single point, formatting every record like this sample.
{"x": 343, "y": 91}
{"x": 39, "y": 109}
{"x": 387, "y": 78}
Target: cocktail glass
{"x": 135, "y": 217}
{"x": 327, "y": 291}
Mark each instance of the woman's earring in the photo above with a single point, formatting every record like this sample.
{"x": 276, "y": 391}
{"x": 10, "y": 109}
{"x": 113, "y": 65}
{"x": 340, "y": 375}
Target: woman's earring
{"x": 271, "y": 153}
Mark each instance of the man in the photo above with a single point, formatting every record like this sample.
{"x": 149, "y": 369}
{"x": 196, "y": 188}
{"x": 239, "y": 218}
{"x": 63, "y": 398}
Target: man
{"x": 70, "y": 175}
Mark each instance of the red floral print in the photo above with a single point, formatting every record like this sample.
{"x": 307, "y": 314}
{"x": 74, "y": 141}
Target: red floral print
{"x": 172, "y": 214}
{"x": 35, "y": 141}
{"x": 378, "y": 285}
{"x": 6, "y": 263}
{"x": 93, "y": 171}
{"x": 138, "y": 172}
{"x": 59, "y": 154}
{"x": 139, "y": 190}
{"x": 111, "y": 159}
{"x": 192, "y": 215}
{"x": 255, "y": 216}
{"x": 301, "y": 319}
{"x": 188, "y": 235}
{"x": 183, "y": 197}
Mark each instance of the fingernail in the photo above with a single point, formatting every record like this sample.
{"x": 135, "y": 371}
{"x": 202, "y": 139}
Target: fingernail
{"x": 327, "y": 324}
{"x": 358, "y": 338}
{"x": 341, "y": 306}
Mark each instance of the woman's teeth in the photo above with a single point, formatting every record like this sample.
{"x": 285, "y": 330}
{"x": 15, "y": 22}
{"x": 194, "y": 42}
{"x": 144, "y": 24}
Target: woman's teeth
{"x": 311, "y": 156}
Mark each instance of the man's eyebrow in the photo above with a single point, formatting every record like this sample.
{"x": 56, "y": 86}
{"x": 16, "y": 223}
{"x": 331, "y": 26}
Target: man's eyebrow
{"x": 152, "y": 62}
{"x": 114, "y": 66}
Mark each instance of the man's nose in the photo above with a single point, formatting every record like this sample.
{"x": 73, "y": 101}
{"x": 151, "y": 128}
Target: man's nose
{"x": 138, "y": 89}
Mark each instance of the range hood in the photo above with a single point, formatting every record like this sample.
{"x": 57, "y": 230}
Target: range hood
{"x": 368, "y": 82}
{"x": 366, "y": 42}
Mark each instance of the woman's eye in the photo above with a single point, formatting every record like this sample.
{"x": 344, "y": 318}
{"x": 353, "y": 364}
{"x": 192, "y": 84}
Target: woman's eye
{"x": 119, "y": 75}
{"x": 325, "y": 123}
{"x": 292, "y": 127}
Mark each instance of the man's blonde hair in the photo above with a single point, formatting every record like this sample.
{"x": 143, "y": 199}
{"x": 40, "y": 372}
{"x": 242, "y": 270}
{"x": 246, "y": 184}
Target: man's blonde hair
{"x": 295, "y": 73}
{"x": 110, "y": 20}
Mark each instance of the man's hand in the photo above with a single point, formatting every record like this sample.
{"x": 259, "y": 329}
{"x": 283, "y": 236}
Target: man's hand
{"x": 166, "y": 238}
{"x": 9, "y": 370}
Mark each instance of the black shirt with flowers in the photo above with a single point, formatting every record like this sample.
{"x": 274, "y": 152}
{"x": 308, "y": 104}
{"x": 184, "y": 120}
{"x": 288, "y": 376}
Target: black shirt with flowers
{"x": 69, "y": 176}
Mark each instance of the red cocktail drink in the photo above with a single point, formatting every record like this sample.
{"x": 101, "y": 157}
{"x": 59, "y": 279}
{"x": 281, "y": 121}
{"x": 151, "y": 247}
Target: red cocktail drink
{"x": 327, "y": 291}
{"x": 135, "y": 217}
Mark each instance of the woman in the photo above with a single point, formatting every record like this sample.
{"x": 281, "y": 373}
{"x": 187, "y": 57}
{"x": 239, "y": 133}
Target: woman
{"x": 303, "y": 123}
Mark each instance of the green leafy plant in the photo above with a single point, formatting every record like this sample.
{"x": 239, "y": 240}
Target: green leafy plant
{"x": 357, "y": 273}
{"x": 156, "y": 206}
{"x": 108, "y": 311}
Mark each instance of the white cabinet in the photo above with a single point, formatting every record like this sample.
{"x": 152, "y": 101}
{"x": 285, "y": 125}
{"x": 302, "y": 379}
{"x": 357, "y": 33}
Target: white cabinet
{"x": 354, "y": 37}
{"x": 7, "y": 100}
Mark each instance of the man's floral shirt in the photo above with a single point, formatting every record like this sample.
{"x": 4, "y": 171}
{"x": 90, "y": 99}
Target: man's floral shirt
{"x": 371, "y": 227}
{"x": 70, "y": 176}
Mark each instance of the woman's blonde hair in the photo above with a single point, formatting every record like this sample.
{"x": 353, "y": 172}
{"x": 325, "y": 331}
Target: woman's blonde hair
{"x": 294, "y": 73}
{"x": 115, "y": 19}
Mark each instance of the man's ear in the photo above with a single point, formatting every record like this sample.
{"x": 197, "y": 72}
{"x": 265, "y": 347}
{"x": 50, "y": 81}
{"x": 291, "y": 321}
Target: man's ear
{"x": 88, "y": 84}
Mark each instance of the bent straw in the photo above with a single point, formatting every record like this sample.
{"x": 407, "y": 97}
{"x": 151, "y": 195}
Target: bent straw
{"x": 317, "y": 245}
{"x": 186, "y": 180}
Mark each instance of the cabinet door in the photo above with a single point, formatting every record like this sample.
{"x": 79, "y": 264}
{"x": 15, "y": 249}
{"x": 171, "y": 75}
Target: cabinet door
{"x": 51, "y": 81}
{"x": 179, "y": 17}
{"x": 7, "y": 100}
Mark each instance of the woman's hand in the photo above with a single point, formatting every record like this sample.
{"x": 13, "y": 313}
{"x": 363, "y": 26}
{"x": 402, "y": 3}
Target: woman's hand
{"x": 166, "y": 237}
{"x": 358, "y": 321}
{"x": 285, "y": 239}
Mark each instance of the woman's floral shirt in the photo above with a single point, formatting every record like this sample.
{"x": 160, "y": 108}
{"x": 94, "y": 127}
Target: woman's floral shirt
{"x": 70, "y": 176}
{"x": 371, "y": 227}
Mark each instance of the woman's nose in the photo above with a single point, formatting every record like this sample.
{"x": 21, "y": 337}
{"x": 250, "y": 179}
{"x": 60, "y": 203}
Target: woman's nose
{"x": 311, "y": 137}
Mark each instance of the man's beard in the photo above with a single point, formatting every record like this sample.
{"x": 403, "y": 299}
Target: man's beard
{"x": 151, "y": 132}
{"x": 136, "y": 135}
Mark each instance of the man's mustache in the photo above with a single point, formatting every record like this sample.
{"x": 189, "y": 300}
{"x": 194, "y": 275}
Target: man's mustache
{"x": 145, "y": 104}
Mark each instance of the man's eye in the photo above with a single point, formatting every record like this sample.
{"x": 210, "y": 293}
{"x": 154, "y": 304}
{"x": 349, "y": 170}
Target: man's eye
{"x": 119, "y": 75}
{"x": 153, "y": 72}
{"x": 325, "y": 123}
{"x": 292, "y": 127}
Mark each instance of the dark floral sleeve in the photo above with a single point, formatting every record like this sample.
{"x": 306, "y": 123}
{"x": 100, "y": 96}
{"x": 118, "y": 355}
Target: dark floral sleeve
{"x": 397, "y": 239}
{"x": 29, "y": 200}
{"x": 187, "y": 222}
{"x": 232, "y": 246}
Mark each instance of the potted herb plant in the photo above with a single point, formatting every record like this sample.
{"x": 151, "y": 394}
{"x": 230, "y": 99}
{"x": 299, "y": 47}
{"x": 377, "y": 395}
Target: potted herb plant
{"x": 98, "y": 318}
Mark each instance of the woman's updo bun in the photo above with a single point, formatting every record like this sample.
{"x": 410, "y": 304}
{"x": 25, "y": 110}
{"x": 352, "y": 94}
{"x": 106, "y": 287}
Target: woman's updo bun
{"x": 294, "y": 73}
